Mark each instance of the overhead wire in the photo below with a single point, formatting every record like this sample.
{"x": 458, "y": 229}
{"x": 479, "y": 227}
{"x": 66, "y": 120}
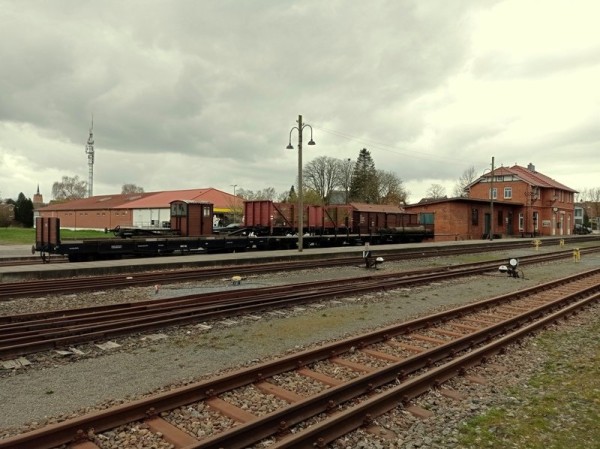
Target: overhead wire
{"x": 391, "y": 148}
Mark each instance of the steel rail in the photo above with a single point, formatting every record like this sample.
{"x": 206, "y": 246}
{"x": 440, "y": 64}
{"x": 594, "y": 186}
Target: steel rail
{"x": 11, "y": 290}
{"x": 30, "y": 260}
{"x": 67, "y": 431}
{"x": 20, "y": 338}
{"x": 207, "y": 297}
{"x": 30, "y": 333}
{"x": 325, "y": 402}
{"x": 324, "y": 432}
{"x": 60, "y": 433}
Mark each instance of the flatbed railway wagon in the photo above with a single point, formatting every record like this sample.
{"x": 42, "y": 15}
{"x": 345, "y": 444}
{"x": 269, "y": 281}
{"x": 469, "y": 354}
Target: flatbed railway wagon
{"x": 267, "y": 226}
{"x": 190, "y": 232}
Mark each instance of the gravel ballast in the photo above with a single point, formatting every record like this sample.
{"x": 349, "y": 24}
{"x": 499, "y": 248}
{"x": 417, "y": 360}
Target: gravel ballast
{"x": 54, "y": 387}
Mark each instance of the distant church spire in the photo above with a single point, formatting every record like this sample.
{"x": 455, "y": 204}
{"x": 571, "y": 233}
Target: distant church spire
{"x": 38, "y": 199}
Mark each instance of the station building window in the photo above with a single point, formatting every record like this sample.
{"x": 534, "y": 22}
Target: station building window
{"x": 507, "y": 193}
{"x": 521, "y": 222}
{"x": 474, "y": 216}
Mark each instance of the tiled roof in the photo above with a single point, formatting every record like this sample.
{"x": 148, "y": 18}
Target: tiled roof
{"x": 149, "y": 200}
{"x": 531, "y": 177}
{"x": 364, "y": 207}
{"x": 458, "y": 200}
{"x": 537, "y": 179}
{"x": 163, "y": 199}
{"x": 96, "y": 202}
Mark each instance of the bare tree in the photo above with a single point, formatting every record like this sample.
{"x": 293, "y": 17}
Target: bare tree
{"x": 591, "y": 203}
{"x": 591, "y": 194}
{"x": 322, "y": 176}
{"x": 467, "y": 177}
{"x": 344, "y": 176}
{"x": 268, "y": 193}
{"x": 436, "y": 191}
{"x": 131, "y": 188}
{"x": 5, "y": 215}
{"x": 69, "y": 189}
{"x": 390, "y": 189}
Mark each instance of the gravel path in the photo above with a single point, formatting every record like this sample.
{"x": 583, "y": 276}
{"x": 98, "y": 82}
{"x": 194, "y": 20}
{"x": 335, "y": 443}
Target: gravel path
{"x": 55, "y": 387}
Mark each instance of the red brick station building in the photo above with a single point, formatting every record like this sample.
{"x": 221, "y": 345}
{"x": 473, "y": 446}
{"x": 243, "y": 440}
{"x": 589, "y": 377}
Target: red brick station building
{"x": 508, "y": 202}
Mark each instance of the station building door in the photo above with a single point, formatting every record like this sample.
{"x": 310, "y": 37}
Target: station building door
{"x": 486, "y": 225}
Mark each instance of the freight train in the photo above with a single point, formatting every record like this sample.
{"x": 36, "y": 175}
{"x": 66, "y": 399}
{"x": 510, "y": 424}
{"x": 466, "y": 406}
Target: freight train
{"x": 266, "y": 226}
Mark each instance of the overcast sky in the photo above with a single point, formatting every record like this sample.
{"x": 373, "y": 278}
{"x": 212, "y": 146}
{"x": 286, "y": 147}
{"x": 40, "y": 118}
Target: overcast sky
{"x": 198, "y": 93}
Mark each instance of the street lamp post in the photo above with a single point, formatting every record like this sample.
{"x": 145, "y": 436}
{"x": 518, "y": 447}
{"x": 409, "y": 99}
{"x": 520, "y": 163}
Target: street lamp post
{"x": 300, "y": 127}
{"x": 347, "y": 169}
{"x": 234, "y": 202}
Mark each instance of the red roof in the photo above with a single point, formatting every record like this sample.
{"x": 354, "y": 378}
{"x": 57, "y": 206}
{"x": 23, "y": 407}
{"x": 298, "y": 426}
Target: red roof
{"x": 163, "y": 199}
{"x": 149, "y": 200}
{"x": 387, "y": 208}
{"x": 537, "y": 179}
{"x": 530, "y": 176}
{"x": 96, "y": 202}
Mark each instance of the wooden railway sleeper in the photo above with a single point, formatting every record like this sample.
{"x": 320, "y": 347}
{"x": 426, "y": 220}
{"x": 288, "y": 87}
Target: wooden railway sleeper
{"x": 333, "y": 428}
{"x": 462, "y": 368}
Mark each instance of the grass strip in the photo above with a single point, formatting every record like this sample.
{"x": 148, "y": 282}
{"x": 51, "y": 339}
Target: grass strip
{"x": 558, "y": 408}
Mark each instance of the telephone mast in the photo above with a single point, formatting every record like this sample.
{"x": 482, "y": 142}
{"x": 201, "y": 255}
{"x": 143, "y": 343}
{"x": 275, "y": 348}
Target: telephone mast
{"x": 89, "y": 150}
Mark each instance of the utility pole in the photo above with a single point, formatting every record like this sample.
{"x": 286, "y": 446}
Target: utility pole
{"x": 492, "y": 202}
{"x": 234, "y": 203}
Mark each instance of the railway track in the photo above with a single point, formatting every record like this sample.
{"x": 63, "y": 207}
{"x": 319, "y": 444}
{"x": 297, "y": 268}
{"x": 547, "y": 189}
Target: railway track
{"x": 34, "y": 332}
{"x": 30, "y": 260}
{"x": 10, "y": 290}
{"x": 425, "y": 251}
{"x": 309, "y": 399}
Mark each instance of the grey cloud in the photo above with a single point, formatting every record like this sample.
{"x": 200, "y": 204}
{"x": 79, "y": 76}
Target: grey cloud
{"x": 496, "y": 66}
{"x": 219, "y": 84}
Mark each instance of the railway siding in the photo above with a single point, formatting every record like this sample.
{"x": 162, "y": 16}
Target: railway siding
{"x": 359, "y": 359}
{"x": 221, "y": 336}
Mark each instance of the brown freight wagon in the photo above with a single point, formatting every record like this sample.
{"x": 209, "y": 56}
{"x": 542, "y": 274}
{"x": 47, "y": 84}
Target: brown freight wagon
{"x": 281, "y": 218}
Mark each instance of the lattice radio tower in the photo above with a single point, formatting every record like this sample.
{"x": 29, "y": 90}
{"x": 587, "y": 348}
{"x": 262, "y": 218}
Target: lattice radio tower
{"x": 89, "y": 150}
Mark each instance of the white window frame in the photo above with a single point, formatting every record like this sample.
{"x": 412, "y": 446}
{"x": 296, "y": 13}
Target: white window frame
{"x": 493, "y": 192}
{"x": 507, "y": 193}
{"x": 521, "y": 222}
